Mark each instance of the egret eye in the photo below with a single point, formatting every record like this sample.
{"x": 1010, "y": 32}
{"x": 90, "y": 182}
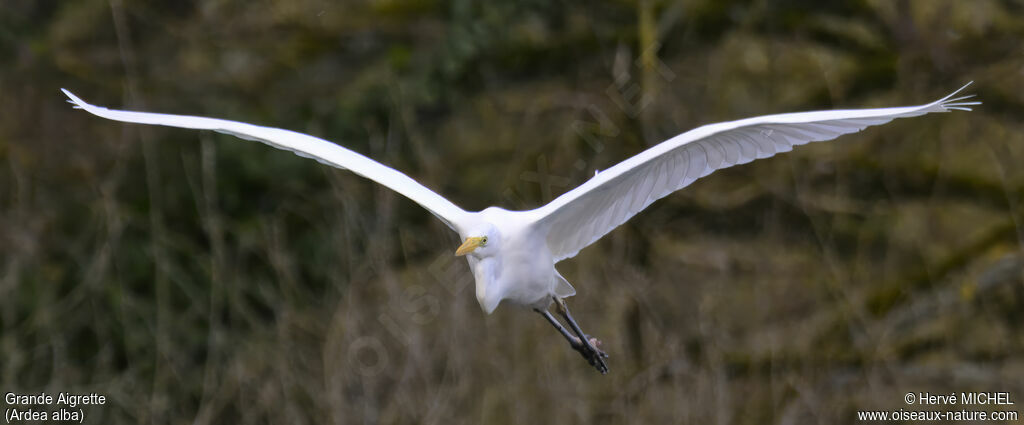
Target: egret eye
{"x": 483, "y": 241}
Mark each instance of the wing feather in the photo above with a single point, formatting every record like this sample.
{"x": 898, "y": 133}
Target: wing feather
{"x": 302, "y": 145}
{"x": 583, "y": 215}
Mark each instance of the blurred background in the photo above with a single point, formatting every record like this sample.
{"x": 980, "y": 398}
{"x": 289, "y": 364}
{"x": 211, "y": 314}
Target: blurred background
{"x": 192, "y": 277}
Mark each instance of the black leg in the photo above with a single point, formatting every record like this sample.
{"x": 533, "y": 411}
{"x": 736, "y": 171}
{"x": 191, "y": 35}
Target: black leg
{"x": 582, "y": 343}
{"x": 588, "y": 342}
{"x": 561, "y": 329}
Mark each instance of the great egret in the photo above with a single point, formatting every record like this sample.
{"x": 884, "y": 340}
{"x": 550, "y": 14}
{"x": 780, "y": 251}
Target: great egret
{"x": 513, "y": 253}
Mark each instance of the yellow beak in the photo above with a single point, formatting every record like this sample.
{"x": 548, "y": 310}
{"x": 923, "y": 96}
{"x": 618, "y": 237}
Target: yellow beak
{"x": 471, "y": 244}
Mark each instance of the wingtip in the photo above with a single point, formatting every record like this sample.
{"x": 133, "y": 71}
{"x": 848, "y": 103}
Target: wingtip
{"x": 949, "y": 103}
{"x": 71, "y": 97}
{"x": 956, "y": 91}
{"x": 964, "y": 87}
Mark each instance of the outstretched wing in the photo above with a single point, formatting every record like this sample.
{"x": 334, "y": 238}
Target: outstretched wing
{"x": 588, "y": 212}
{"x": 302, "y": 145}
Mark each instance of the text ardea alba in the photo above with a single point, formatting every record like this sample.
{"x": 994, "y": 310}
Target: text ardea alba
{"x": 513, "y": 253}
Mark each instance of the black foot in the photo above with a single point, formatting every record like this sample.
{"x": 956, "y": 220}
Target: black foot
{"x": 588, "y": 349}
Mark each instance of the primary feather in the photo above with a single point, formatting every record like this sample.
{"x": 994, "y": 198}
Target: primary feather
{"x": 585, "y": 214}
{"x": 302, "y": 145}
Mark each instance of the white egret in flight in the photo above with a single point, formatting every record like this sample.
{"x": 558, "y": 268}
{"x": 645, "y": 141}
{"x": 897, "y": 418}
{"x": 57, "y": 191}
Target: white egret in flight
{"x": 513, "y": 253}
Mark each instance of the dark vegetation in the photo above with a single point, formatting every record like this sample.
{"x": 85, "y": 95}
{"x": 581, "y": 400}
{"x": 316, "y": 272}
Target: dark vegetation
{"x": 196, "y": 278}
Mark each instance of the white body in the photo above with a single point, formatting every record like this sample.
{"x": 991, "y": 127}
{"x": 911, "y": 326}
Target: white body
{"x": 523, "y": 273}
{"x": 516, "y": 261}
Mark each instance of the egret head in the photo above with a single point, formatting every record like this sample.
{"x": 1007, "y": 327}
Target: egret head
{"x": 481, "y": 243}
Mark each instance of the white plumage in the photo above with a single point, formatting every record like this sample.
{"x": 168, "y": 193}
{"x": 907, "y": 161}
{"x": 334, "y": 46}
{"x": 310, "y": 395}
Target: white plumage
{"x": 513, "y": 253}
